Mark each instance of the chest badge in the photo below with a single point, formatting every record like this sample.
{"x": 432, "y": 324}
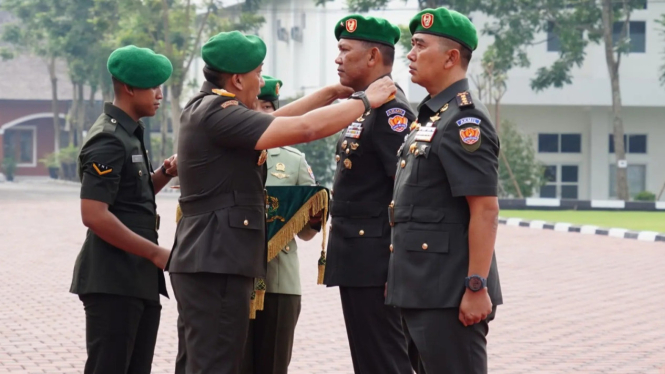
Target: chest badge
{"x": 425, "y": 134}
{"x": 279, "y": 175}
{"x": 412, "y": 147}
{"x": 263, "y": 157}
{"x": 354, "y": 146}
{"x": 348, "y": 164}
{"x": 414, "y": 125}
{"x": 280, "y": 167}
{"x": 354, "y": 130}
{"x": 344, "y": 143}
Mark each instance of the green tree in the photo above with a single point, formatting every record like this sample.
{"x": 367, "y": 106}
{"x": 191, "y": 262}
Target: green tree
{"x": 525, "y": 169}
{"x": 319, "y": 154}
{"x": 40, "y": 30}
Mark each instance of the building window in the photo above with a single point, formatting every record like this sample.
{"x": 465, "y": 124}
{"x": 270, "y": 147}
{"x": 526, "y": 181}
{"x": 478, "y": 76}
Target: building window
{"x": 633, "y": 143}
{"x": 562, "y": 181}
{"x": 555, "y": 143}
{"x": 20, "y": 144}
{"x": 636, "y": 33}
{"x": 636, "y": 179}
{"x": 553, "y": 42}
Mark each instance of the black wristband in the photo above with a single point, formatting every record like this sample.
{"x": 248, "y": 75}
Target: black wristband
{"x": 360, "y": 95}
{"x": 163, "y": 169}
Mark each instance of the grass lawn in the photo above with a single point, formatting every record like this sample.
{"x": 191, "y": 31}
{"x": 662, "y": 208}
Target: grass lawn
{"x": 637, "y": 221}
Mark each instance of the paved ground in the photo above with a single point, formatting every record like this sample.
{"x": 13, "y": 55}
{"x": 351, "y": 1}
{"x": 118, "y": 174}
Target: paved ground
{"x": 574, "y": 303}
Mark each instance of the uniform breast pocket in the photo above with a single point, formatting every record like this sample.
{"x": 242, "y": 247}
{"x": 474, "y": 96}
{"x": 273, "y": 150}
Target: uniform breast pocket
{"x": 140, "y": 177}
{"x": 421, "y": 153}
{"x": 426, "y": 241}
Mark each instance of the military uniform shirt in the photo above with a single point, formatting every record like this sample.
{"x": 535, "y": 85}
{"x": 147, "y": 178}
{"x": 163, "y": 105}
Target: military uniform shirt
{"x": 286, "y": 167}
{"x": 363, "y": 186}
{"x": 222, "y": 181}
{"x": 454, "y": 154}
{"x": 114, "y": 168}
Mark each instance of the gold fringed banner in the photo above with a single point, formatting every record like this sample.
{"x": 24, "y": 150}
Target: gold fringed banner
{"x": 314, "y": 205}
{"x": 260, "y": 290}
{"x": 252, "y": 306}
{"x": 322, "y": 259}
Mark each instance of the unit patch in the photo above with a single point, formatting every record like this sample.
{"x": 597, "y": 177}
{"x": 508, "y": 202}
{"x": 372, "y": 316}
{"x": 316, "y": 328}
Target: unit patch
{"x": 351, "y": 25}
{"x": 101, "y": 169}
{"x": 465, "y": 120}
{"x": 398, "y": 123}
{"x": 470, "y": 138}
{"x": 427, "y": 20}
{"x": 354, "y": 130}
{"x": 229, "y": 103}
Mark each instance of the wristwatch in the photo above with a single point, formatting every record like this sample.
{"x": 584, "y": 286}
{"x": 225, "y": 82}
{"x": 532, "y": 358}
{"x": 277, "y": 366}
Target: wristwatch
{"x": 475, "y": 283}
{"x": 360, "y": 95}
{"x": 163, "y": 169}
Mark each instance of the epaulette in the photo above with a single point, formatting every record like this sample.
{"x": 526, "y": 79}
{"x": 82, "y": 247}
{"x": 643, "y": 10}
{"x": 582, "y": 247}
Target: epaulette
{"x": 292, "y": 150}
{"x": 464, "y": 100}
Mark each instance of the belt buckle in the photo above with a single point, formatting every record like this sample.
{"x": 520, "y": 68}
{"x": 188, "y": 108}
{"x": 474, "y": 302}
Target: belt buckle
{"x": 391, "y": 214}
{"x": 157, "y": 222}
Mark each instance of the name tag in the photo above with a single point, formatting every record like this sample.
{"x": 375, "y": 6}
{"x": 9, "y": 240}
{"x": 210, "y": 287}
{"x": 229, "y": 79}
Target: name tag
{"x": 425, "y": 134}
{"x": 137, "y": 158}
{"x": 354, "y": 130}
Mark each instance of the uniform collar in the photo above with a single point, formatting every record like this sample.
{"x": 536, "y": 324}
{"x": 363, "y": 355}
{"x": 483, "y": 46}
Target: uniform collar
{"x": 207, "y": 87}
{"x": 122, "y": 118}
{"x": 437, "y": 102}
{"x": 274, "y": 151}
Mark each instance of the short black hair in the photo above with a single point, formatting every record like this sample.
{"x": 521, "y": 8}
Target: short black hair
{"x": 465, "y": 53}
{"x": 215, "y": 77}
{"x": 387, "y": 52}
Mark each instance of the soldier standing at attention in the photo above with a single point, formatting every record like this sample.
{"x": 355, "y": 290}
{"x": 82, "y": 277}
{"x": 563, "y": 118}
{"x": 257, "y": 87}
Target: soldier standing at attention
{"x": 220, "y": 243}
{"x": 358, "y": 248}
{"x": 443, "y": 273}
{"x": 270, "y": 339}
{"x": 118, "y": 273}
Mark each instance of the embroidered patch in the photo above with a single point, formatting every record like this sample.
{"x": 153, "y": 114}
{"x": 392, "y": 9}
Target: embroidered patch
{"x": 354, "y": 130}
{"x": 427, "y": 20}
{"x": 470, "y": 138}
{"x": 101, "y": 169}
{"x": 229, "y": 103}
{"x": 398, "y": 123}
{"x": 394, "y": 111}
{"x": 351, "y": 25}
{"x": 465, "y": 120}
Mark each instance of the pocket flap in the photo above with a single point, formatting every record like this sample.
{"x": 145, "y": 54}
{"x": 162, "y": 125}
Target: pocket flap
{"x": 411, "y": 213}
{"x": 360, "y": 228}
{"x": 427, "y": 241}
{"x": 246, "y": 218}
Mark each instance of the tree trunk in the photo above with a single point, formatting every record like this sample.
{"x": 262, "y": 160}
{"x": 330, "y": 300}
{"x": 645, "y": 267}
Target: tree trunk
{"x": 54, "y": 103}
{"x": 613, "y": 68}
{"x": 80, "y": 120}
{"x": 165, "y": 125}
{"x": 71, "y": 115}
{"x": 175, "y": 116}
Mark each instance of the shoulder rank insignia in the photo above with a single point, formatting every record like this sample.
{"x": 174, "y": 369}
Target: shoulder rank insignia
{"x": 464, "y": 100}
{"x": 229, "y": 103}
{"x": 263, "y": 157}
{"x": 101, "y": 169}
{"x": 221, "y": 92}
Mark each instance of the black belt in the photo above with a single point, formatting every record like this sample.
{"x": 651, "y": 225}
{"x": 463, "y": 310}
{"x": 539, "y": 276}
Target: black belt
{"x": 356, "y": 209}
{"x": 144, "y": 221}
{"x": 200, "y": 205}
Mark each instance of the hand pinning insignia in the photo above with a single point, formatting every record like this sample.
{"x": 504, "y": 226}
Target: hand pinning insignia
{"x": 101, "y": 169}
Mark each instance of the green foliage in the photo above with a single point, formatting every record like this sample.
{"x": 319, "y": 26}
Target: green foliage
{"x": 50, "y": 160}
{"x": 645, "y": 196}
{"x": 156, "y": 145}
{"x": 9, "y": 167}
{"x": 320, "y": 154}
{"x": 521, "y": 155}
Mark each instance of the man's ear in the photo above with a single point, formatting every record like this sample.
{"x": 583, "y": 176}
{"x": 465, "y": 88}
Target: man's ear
{"x": 129, "y": 90}
{"x": 453, "y": 57}
{"x": 374, "y": 56}
{"x": 236, "y": 81}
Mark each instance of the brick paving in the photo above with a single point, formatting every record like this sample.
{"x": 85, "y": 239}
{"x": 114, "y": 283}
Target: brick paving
{"x": 574, "y": 303}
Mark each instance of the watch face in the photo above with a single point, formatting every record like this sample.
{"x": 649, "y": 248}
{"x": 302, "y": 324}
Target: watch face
{"x": 358, "y": 94}
{"x": 475, "y": 284}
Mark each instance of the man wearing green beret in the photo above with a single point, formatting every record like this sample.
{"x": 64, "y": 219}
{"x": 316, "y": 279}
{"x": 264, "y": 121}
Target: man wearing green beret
{"x": 118, "y": 273}
{"x": 443, "y": 273}
{"x": 358, "y": 247}
{"x": 270, "y": 339}
{"x": 220, "y": 244}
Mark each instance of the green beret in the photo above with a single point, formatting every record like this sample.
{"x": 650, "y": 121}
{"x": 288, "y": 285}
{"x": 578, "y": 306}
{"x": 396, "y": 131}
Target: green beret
{"x": 234, "y": 52}
{"x": 447, "y": 23}
{"x": 139, "y": 67}
{"x": 370, "y": 29}
{"x": 270, "y": 92}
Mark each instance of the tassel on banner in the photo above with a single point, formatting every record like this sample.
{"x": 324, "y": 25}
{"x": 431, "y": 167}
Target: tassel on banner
{"x": 252, "y": 306}
{"x": 260, "y": 292}
{"x": 324, "y": 228}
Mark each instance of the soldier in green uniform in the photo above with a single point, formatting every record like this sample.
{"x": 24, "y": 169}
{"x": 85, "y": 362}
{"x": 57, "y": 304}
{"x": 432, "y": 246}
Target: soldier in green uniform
{"x": 270, "y": 339}
{"x": 118, "y": 273}
{"x": 443, "y": 274}
{"x": 358, "y": 248}
{"x": 220, "y": 244}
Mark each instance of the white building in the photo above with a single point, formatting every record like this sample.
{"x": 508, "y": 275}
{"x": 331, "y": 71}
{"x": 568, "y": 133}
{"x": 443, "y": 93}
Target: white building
{"x": 570, "y": 126}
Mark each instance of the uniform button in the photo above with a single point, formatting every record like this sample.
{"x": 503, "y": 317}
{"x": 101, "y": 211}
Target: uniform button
{"x": 391, "y": 248}
{"x": 246, "y": 222}
{"x": 287, "y": 248}
{"x": 140, "y": 173}
{"x": 402, "y": 164}
{"x": 113, "y": 120}
{"x": 362, "y": 232}
{"x": 425, "y": 246}
{"x": 337, "y": 158}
